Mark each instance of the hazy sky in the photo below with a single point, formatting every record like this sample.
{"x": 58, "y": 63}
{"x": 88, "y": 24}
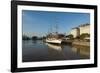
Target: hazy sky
{"x": 40, "y": 22}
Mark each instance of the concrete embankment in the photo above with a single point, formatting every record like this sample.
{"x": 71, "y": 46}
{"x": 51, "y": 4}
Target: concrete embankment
{"x": 74, "y": 42}
{"x": 81, "y": 43}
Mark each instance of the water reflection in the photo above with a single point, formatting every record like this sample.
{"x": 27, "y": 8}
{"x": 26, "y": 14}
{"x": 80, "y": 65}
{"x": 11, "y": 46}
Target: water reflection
{"x": 54, "y": 46}
{"x": 34, "y": 41}
{"x": 55, "y": 52}
{"x": 41, "y": 51}
{"x": 83, "y": 50}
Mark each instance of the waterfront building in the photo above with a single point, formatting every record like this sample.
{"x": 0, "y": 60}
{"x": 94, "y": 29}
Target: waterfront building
{"x": 84, "y": 29}
{"x": 77, "y": 31}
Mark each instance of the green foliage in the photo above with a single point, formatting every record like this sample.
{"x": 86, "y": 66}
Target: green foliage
{"x": 24, "y": 37}
{"x": 84, "y": 35}
{"x": 70, "y": 36}
{"x": 34, "y": 38}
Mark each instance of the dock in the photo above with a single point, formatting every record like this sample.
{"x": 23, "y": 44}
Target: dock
{"x": 76, "y": 42}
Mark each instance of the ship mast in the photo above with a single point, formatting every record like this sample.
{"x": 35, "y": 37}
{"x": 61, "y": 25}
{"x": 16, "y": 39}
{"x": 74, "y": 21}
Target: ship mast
{"x": 56, "y": 26}
{"x": 53, "y": 29}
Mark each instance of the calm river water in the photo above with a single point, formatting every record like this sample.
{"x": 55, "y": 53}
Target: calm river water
{"x": 41, "y": 51}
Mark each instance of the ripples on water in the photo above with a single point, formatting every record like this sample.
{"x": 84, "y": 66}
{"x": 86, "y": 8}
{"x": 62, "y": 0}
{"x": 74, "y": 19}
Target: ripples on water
{"x": 41, "y": 51}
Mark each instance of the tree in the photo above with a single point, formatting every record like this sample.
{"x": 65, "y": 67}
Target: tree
{"x": 70, "y": 36}
{"x": 34, "y": 38}
{"x": 84, "y": 35}
{"x": 24, "y": 37}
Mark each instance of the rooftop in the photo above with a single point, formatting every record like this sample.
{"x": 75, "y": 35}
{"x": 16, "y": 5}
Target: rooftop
{"x": 82, "y": 25}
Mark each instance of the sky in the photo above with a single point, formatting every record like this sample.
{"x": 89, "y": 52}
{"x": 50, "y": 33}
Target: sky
{"x": 39, "y": 23}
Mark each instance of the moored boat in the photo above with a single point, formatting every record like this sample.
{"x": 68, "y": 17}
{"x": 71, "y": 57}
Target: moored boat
{"x": 54, "y": 41}
{"x": 54, "y": 37}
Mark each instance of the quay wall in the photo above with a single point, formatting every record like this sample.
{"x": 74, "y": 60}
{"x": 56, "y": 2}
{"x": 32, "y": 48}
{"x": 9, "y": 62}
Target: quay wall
{"x": 80, "y": 43}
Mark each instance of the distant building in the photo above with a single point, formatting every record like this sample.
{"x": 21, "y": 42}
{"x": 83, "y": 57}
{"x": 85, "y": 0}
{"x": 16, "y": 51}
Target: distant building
{"x": 84, "y": 29}
{"x": 77, "y": 31}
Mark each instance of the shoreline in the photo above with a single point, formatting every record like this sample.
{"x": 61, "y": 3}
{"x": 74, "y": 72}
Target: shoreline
{"x": 78, "y": 43}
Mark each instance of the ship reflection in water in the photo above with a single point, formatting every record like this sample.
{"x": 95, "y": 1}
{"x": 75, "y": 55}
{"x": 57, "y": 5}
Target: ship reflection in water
{"x": 33, "y": 51}
{"x": 54, "y": 46}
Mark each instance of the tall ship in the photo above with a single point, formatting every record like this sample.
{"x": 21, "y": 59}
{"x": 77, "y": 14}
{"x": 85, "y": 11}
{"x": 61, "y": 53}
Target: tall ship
{"x": 54, "y": 37}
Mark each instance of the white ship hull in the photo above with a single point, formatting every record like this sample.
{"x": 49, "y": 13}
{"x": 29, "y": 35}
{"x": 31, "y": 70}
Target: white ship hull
{"x": 54, "y": 41}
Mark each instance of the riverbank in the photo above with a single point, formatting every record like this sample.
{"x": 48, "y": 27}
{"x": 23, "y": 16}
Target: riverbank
{"x": 81, "y": 43}
{"x": 77, "y": 42}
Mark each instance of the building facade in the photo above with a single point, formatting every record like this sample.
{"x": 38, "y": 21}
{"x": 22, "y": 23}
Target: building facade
{"x": 75, "y": 32}
{"x": 85, "y": 28}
